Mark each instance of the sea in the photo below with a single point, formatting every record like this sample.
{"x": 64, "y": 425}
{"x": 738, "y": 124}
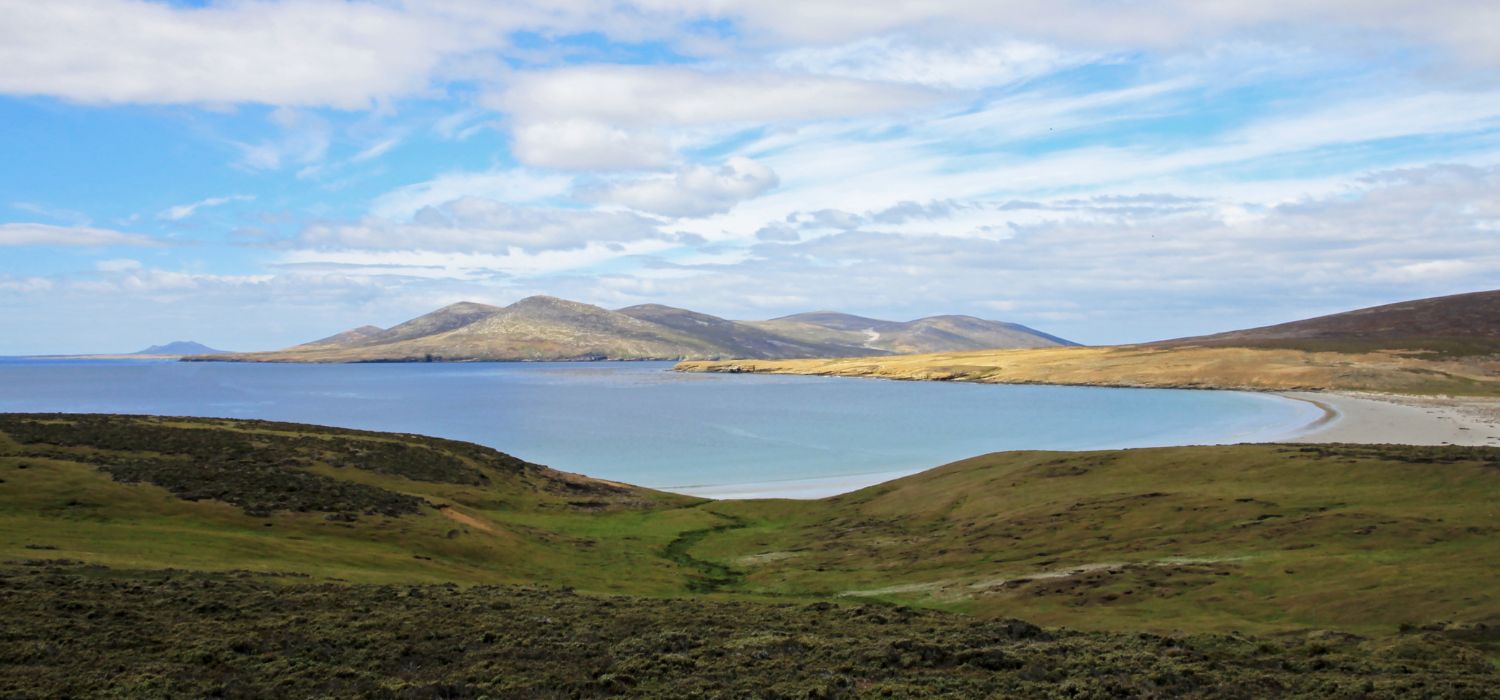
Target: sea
{"x": 716, "y": 435}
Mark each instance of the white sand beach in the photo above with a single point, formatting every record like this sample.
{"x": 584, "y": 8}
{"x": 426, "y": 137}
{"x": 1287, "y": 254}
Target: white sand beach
{"x": 1409, "y": 420}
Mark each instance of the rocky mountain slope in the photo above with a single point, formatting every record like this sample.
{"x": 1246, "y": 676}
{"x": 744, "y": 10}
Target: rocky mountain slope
{"x": 547, "y": 328}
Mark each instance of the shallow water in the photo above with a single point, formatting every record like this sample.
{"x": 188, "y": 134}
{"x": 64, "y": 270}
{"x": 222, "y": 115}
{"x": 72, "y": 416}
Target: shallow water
{"x": 638, "y": 422}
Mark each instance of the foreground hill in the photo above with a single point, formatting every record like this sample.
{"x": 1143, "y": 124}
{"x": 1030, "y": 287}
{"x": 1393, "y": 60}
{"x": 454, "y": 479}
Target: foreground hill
{"x": 193, "y": 557}
{"x": 546, "y": 328}
{"x": 1448, "y": 345}
{"x": 1461, "y": 324}
{"x": 1254, "y": 537}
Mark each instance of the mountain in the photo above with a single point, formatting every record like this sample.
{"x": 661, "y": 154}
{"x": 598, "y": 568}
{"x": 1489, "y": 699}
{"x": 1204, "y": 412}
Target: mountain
{"x": 745, "y": 339}
{"x": 931, "y": 334}
{"x": 179, "y": 347}
{"x": 1461, "y": 324}
{"x": 547, "y": 328}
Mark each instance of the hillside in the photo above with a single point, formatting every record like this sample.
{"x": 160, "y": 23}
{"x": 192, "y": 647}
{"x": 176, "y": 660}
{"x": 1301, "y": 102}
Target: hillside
{"x": 546, "y": 328}
{"x": 1446, "y": 345}
{"x": 1057, "y": 537}
{"x": 1256, "y": 369}
{"x": 931, "y": 334}
{"x": 1457, "y": 325}
{"x": 1247, "y": 537}
{"x": 203, "y": 554}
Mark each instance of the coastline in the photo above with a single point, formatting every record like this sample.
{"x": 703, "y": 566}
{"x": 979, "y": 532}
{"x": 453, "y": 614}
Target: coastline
{"x": 1353, "y": 417}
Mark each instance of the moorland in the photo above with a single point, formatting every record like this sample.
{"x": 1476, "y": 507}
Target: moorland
{"x": 172, "y": 556}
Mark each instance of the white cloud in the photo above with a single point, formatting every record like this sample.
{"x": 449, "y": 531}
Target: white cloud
{"x": 582, "y": 144}
{"x": 654, "y": 95}
{"x": 478, "y": 224}
{"x": 25, "y": 285}
{"x": 24, "y": 234}
{"x": 694, "y": 190}
{"x": 304, "y": 140}
{"x": 947, "y": 65}
{"x": 613, "y": 117}
{"x": 514, "y": 186}
{"x": 183, "y": 211}
{"x": 295, "y": 52}
{"x": 376, "y": 150}
{"x": 118, "y": 265}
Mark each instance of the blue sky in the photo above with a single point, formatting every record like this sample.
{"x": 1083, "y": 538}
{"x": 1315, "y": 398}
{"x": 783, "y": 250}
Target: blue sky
{"x": 253, "y": 174}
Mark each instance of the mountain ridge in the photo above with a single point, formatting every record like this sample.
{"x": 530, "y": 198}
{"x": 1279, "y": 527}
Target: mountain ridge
{"x": 544, "y": 328}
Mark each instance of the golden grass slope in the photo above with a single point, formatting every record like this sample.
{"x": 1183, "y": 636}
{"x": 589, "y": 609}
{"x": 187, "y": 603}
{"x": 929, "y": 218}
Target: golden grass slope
{"x": 1258, "y": 369}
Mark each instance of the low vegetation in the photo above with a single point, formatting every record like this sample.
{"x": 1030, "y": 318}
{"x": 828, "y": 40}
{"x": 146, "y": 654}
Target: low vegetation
{"x": 1262, "y": 369}
{"x": 72, "y": 630}
{"x": 195, "y": 557}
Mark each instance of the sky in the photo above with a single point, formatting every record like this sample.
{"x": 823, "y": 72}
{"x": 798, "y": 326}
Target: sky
{"x": 252, "y": 174}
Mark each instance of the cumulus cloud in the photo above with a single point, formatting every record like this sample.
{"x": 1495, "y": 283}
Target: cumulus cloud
{"x": 24, "y": 234}
{"x": 183, "y": 211}
{"x": 612, "y": 117}
{"x": 694, "y": 190}
{"x": 583, "y": 144}
{"x": 295, "y": 52}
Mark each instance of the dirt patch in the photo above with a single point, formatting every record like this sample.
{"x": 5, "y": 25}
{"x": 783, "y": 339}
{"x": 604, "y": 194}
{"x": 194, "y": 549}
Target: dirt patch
{"x": 466, "y": 519}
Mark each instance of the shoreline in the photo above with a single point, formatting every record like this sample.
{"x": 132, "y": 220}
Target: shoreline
{"x": 1350, "y": 417}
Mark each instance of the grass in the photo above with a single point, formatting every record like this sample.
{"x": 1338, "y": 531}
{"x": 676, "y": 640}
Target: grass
{"x": 1393, "y": 544}
{"x": 1340, "y": 366}
{"x": 79, "y": 631}
{"x": 1260, "y": 538}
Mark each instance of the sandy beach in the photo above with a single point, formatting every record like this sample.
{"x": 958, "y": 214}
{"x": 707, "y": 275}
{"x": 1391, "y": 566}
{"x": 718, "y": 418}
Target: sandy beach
{"x": 1410, "y": 420}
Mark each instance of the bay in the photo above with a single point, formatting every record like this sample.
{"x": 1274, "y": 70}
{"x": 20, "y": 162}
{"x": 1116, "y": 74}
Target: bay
{"x": 640, "y": 423}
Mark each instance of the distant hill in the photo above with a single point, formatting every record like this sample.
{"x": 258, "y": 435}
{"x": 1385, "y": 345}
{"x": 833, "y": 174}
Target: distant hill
{"x": 931, "y": 334}
{"x": 547, "y": 328}
{"x": 1461, "y": 324}
{"x": 179, "y": 347}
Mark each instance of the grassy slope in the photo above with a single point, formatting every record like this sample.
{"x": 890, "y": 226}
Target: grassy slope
{"x": 1394, "y": 543}
{"x": 1146, "y": 366}
{"x": 535, "y": 525}
{"x": 1256, "y": 537}
{"x": 1250, "y": 537}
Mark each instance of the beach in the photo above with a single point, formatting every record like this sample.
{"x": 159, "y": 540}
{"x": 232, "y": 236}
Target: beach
{"x": 1409, "y": 420}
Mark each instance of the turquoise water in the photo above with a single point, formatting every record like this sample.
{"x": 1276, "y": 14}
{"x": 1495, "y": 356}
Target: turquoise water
{"x": 640, "y": 423}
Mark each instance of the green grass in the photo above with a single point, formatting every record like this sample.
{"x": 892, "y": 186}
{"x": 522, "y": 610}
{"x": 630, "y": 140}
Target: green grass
{"x": 1262, "y": 538}
{"x": 1252, "y": 538}
{"x": 80, "y": 631}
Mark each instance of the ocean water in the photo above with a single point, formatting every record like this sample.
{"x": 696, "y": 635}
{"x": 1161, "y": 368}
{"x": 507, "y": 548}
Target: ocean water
{"x": 640, "y": 423}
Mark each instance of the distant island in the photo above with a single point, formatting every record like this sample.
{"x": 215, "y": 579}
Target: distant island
{"x": 180, "y": 347}
{"x": 542, "y": 328}
{"x": 167, "y": 351}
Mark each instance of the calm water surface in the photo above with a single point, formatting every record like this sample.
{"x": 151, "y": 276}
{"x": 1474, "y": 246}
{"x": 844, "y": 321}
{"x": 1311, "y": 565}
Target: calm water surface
{"x": 637, "y": 422}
